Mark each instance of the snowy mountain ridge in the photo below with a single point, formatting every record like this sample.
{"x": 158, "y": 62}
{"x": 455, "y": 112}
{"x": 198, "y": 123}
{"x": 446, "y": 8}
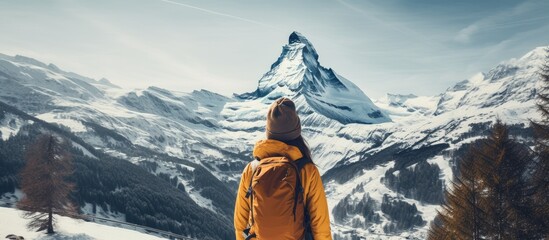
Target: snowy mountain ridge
{"x": 498, "y": 86}
{"x": 355, "y": 142}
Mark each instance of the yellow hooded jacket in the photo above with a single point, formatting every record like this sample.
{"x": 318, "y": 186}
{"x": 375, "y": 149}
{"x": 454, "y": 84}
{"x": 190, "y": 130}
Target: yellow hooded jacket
{"x": 313, "y": 190}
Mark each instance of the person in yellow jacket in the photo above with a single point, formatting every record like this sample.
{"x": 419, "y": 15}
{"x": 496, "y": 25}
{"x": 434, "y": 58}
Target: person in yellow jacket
{"x": 284, "y": 138}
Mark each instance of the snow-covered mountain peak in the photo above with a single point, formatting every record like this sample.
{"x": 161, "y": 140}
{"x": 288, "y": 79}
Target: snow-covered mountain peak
{"x": 298, "y": 41}
{"x": 26, "y": 76}
{"x": 298, "y": 74}
{"x": 32, "y": 70}
{"x": 106, "y": 82}
{"x": 53, "y": 67}
{"x": 297, "y": 37}
{"x": 298, "y": 58}
{"x": 528, "y": 61}
{"x": 538, "y": 54}
{"x": 28, "y": 60}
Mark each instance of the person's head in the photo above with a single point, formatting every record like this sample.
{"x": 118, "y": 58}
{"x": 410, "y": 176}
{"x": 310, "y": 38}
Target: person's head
{"x": 283, "y": 124}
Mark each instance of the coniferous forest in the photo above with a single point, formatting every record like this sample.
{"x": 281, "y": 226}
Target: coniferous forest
{"x": 421, "y": 182}
{"x": 501, "y": 188}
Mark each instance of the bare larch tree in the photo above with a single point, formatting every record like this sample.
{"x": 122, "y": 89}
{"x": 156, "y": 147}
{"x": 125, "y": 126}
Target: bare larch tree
{"x": 44, "y": 183}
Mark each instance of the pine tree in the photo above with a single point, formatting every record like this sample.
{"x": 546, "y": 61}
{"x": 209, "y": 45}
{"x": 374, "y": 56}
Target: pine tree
{"x": 439, "y": 229}
{"x": 44, "y": 183}
{"x": 505, "y": 186}
{"x": 489, "y": 198}
{"x": 540, "y": 179}
{"x": 461, "y": 216}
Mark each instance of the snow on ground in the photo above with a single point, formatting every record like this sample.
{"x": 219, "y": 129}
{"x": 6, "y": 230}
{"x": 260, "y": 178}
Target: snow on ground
{"x": 371, "y": 180}
{"x": 195, "y": 194}
{"x": 74, "y": 125}
{"x": 10, "y": 198}
{"x": 212, "y": 152}
{"x": 373, "y": 186}
{"x": 103, "y": 213}
{"x": 445, "y": 168}
{"x": 10, "y": 125}
{"x": 84, "y": 150}
{"x": 174, "y": 151}
{"x": 398, "y": 106}
{"x": 11, "y": 222}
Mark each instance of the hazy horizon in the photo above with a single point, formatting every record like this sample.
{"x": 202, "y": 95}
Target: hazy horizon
{"x": 384, "y": 47}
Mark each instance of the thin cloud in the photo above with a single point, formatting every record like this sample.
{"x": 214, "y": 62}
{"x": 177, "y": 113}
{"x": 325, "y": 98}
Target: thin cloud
{"x": 172, "y": 68}
{"x": 464, "y": 35}
{"x": 395, "y": 27}
{"x": 514, "y": 17}
{"x": 219, "y": 13}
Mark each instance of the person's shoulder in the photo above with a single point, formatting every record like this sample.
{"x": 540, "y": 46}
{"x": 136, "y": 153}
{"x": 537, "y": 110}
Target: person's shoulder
{"x": 247, "y": 168}
{"x": 310, "y": 168}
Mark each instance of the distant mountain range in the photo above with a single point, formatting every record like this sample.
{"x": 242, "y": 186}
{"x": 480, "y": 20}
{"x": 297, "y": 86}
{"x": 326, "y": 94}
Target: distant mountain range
{"x": 384, "y": 162}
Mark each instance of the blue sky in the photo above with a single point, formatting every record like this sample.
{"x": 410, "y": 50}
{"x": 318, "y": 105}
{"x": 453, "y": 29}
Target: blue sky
{"x": 390, "y": 46}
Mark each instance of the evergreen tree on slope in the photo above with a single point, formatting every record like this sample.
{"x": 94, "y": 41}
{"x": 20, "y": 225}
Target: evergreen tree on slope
{"x": 505, "y": 186}
{"x": 43, "y": 180}
{"x": 461, "y": 216}
{"x": 489, "y": 198}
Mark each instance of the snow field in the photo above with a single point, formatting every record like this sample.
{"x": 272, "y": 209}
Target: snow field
{"x": 11, "y": 222}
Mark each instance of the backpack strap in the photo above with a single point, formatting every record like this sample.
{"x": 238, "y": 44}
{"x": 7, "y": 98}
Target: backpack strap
{"x": 253, "y": 165}
{"x": 298, "y": 187}
{"x": 307, "y": 218}
{"x": 302, "y": 162}
{"x": 249, "y": 192}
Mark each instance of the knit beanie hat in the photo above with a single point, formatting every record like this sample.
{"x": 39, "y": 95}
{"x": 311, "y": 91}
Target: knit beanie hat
{"x": 283, "y": 124}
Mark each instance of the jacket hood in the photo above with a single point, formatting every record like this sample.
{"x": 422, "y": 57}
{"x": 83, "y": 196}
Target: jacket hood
{"x": 274, "y": 148}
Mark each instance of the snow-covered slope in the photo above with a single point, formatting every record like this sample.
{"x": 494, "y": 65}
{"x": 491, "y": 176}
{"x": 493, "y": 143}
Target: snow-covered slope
{"x": 134, "y": 184}
{"x": 12, "y": 222}
{"x": 504, "y": 84}
{"x": 399, "y": 105}
{"x": 355, "y": 142}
